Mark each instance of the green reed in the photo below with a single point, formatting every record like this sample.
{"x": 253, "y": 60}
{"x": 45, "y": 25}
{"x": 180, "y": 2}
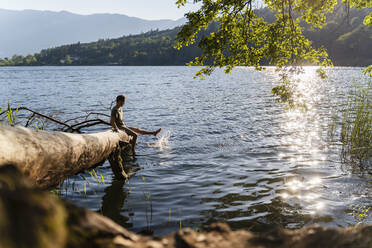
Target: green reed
{"x": 148, "y": 202}
{"x": 96, "y": 175}
{"x": 11, "y": 115}
{"x": 356, "y": 126}
{"x": 68, "y": 187}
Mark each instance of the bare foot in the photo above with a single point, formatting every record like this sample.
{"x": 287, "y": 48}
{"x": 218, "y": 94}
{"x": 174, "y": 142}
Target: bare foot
{"x": 157, "y": 131}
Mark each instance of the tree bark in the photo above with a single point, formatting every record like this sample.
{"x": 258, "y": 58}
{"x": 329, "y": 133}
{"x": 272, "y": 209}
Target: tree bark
{"x": 47, "y": 158}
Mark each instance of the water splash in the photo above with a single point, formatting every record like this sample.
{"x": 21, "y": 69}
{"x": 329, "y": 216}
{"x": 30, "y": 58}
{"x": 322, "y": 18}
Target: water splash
{"x": 162, "y": 142}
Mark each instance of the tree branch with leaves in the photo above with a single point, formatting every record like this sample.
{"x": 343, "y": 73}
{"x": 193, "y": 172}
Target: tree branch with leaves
{"x": 245, "y": 39}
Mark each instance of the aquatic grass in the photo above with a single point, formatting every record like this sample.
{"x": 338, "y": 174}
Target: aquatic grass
{"x": 13, "y": 120}
{"x": 361, "y": 213}
{"x": 11, "y": 115}
{"x": 332, "y": 127}
{"x": 56, "y": 192}
{"x": 37, "y": 127}
{"x": 356, "y": 127}
{"x": 148, "y": 202}
{"x": 97, "y": 176}
{"x": 68, "y": 189}
{"x": 85, "y": 186}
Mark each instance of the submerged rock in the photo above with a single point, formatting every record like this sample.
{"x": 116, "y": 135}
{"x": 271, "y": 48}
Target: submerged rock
{"x": 33, "y": 218}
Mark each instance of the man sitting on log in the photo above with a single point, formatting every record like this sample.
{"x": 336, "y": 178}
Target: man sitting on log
{"x": 117, "y": 123}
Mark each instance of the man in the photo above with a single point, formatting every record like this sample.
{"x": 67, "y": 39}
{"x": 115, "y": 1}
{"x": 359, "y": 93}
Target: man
{"x": 117, "y": 123}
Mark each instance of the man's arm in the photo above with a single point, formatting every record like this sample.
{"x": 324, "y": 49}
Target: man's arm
{"x": 113, "y": 124}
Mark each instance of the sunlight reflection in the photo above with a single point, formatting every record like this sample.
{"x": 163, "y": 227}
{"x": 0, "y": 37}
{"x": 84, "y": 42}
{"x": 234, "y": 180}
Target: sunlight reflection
{"x": 309, "y": 73}
{"x": 284, "y": 196}
{"x": 294, "y": 185}
{"x": 323, "y": 158}
{"x": 303, "y": 137}
{"x": 315, "y": 181}
{"x": 304, "y": 191}
{"x": 319, "y": 206}
{"x": 311, "y": 196}
{"x": 305, "y": 83}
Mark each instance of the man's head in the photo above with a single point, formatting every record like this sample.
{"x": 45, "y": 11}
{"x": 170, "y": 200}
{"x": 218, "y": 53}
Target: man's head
{"x": 120, "y": 100}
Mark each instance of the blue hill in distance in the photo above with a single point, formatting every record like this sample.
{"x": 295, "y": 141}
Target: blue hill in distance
{"x": 28, "y": 31}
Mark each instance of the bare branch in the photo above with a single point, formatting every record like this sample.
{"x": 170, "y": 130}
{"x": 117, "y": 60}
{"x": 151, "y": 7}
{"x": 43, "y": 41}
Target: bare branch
{"x": 96, "y": 113}
{"x": 76, "y": 127}
{"x": 97, "y": 122}
{"x": 29, "y": 119}
{"x": 105, "y": 107}
{"x": 41, "y": 115}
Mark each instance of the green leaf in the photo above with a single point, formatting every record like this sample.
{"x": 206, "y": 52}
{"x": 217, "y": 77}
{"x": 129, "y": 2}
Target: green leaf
{"x": 368, "y": 71}
{"x": 368, "y": 20}
{"x": 241, "y": 38}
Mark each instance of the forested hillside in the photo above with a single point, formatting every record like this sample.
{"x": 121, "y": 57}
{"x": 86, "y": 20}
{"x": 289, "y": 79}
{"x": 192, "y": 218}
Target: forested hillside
{"x": 347, "y": 40}
{"x": 29, "y": 31}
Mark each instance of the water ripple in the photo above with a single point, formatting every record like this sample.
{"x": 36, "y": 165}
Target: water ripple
{"x": 232, "y": 153}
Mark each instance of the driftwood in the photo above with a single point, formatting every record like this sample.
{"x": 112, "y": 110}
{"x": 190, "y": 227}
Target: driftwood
{"x": 47, "y": 158}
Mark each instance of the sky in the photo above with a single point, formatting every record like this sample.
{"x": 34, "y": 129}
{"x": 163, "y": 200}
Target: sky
{"x": 146, "y": 9}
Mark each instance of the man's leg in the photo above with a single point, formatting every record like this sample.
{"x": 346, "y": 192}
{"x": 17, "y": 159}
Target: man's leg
{"x": 133, "y": 140}
{"x": 140, "y": 131}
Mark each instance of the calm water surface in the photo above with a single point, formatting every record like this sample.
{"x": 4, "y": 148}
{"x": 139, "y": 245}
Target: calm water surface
{"x": 228, "y": 152}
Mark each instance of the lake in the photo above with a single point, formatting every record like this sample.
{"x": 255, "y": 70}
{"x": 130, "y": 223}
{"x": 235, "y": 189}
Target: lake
{"x": 228, "y": 151}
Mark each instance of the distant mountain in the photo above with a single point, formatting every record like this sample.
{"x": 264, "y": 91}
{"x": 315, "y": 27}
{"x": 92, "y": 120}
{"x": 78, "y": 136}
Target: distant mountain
{"x": 346, "y": 39}
{"x": 29, "y": 31}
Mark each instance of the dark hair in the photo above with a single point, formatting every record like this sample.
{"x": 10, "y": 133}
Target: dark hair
{"x": 120, "y": 98}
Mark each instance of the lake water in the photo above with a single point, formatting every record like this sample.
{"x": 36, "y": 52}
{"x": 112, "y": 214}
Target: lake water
{"x": 228, "y": 151}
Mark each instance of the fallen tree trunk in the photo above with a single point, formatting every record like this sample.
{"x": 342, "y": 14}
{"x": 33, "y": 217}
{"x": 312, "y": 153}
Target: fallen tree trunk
{"x": 47, "y": 158}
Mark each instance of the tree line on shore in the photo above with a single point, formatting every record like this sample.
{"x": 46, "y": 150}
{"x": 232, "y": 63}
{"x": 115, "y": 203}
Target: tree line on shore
{"x": 346, "y": 39}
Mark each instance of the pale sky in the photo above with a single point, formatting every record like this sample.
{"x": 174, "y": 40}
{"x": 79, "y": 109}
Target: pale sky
{"x": 146, "y": 9}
